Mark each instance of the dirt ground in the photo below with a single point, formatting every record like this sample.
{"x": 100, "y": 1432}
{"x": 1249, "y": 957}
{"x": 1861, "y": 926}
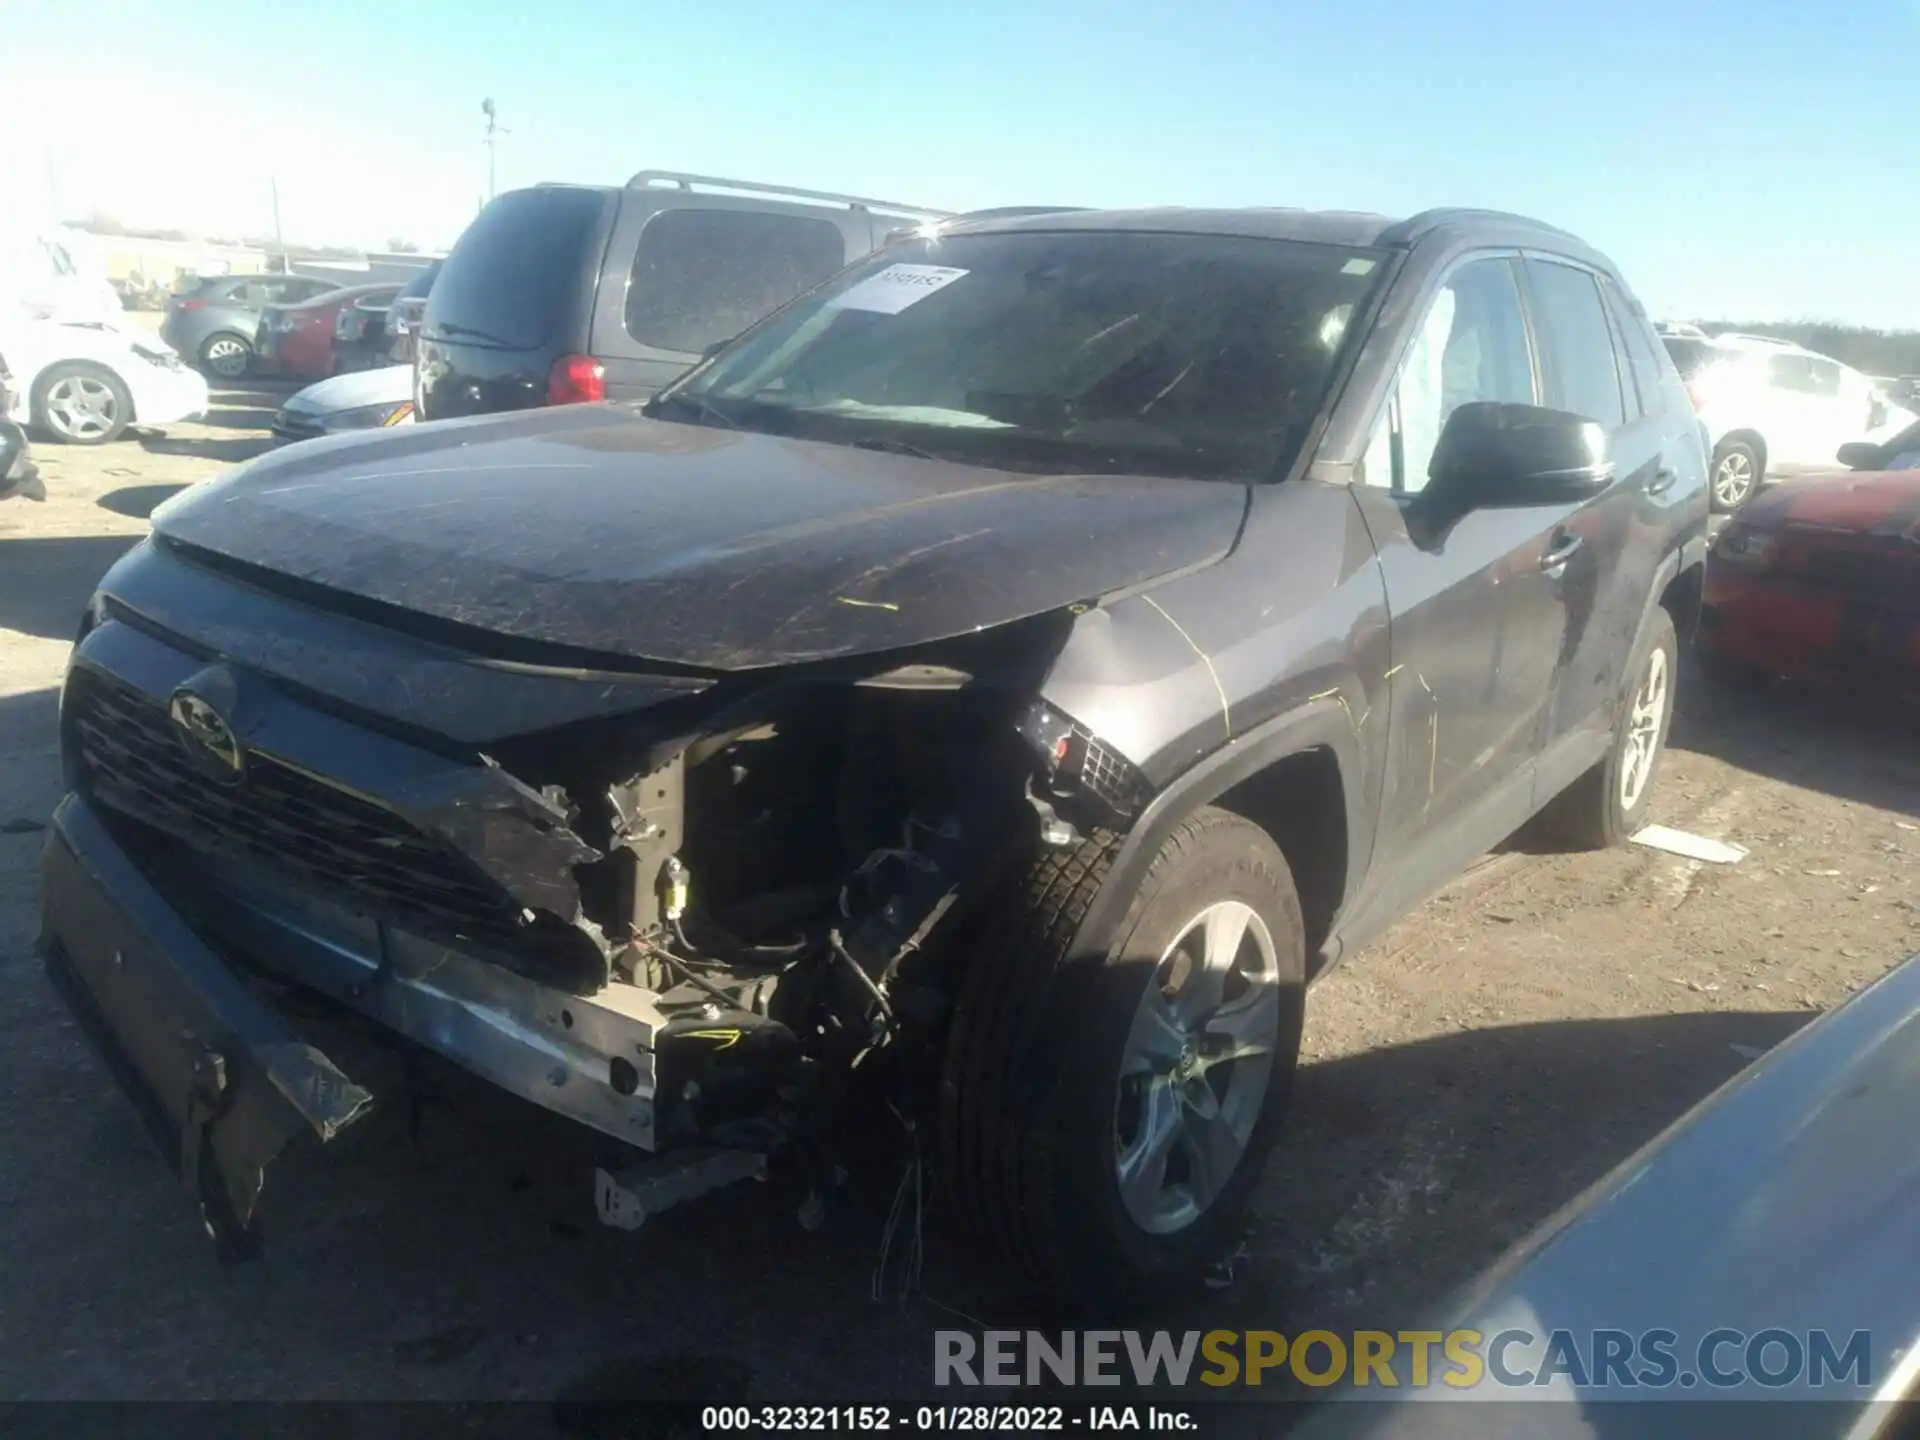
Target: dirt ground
{"x": 1475, "y": 1069}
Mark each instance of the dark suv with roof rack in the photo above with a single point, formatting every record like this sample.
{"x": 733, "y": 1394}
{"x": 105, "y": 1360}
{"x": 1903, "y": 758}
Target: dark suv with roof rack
{"x": 974, "y": 702}
{"x": 564, "y": 293}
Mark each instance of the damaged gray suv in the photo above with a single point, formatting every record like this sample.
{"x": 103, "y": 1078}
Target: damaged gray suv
{"x": 995, "y": 684}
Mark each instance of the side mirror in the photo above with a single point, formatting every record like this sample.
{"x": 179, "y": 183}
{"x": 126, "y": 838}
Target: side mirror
{"x": 1496, "y": 455}
{"x": 1859, "y": 455}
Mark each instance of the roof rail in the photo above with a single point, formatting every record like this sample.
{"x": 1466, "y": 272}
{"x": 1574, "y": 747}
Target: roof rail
{"x": 1014, "y": 212}
{"x": 1446, "y": 214}
{"x": 652, "y": 179}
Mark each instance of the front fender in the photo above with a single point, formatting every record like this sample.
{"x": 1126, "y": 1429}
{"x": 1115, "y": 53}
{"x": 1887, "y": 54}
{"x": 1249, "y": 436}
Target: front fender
{"x": 1321, "y": 723}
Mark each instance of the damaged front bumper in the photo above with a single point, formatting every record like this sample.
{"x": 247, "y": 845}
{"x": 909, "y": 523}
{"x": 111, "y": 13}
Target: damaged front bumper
{"x": 220, "y": 1075}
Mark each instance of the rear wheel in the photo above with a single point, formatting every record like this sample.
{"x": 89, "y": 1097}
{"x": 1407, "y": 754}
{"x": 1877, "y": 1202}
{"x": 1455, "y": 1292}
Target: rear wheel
{"x": 1104, "y": 1120}
{"x": 1736, "y": 475}
{"x": 227, "y": 356}
{"x": 1608, "y": 804}
{"x": 81, "y": 403}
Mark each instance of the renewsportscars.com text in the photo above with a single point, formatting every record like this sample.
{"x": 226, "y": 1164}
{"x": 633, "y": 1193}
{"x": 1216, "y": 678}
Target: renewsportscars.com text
{"x": 1459, "y": 1359}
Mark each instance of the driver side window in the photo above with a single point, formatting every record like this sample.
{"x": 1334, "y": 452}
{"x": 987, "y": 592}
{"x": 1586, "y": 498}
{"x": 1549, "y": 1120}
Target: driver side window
{"x": 1472, "y": 345}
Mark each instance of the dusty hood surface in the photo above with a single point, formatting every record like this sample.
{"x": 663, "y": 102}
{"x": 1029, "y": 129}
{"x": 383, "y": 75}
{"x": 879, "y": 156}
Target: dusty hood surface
{"x": 1862, "y": 502}
{"x": 589, "y": 526}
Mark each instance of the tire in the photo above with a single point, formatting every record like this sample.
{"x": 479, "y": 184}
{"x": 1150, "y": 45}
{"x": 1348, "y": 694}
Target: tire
{"x": 1608, "y": 804}
{"x": 1737, "y": 472}
{"x": 80, "y": 403}
{"x": 1035, "y": 1117}
{"x": 226, "y": 355}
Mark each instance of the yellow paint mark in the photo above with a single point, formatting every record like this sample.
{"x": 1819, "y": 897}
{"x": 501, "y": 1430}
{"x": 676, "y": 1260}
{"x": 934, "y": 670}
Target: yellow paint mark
{"x": 1226, "y": 713}
{"x": 1393, "y": 672}
{"x": 1335, "y": 693}
{"x": 1433, "y": 749}
{"x": 728, "y": 1038}
{"x": 868, "y": 604}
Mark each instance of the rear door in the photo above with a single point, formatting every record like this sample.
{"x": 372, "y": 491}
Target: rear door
{"x": 1800, "y": 418}
{"x": 1601, "y": 587}
{"x": 686, "y": 271}
{"x": 511, "y": 300}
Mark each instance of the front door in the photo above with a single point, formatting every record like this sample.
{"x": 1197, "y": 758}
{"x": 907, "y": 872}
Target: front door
{"x": 1476, "y": 626}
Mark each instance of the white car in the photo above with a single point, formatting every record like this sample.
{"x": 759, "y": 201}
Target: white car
{"x": 357, "y": 400}
{"x": 84, "y": 382}
{"x": 1772, "y": 409}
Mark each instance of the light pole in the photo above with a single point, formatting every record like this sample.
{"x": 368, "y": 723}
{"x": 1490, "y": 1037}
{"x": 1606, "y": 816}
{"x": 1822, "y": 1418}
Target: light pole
{"x": 494, "y": 131}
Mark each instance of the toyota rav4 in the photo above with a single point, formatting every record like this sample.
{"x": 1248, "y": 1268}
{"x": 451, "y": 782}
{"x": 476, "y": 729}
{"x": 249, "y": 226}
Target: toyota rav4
{"x": 996, "y": 683}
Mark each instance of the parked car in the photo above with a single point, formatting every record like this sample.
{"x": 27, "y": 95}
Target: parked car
{"x": 360, "y": 340}
{"x": 1772, "y": 408}
{"x": 19, "y": 476}
{"x": 213, "y": 320}
{"x": 1777, "y": 1207}
{"x": 299, "y": 340}
{"x": 84, "y": 382}
{"x": 1820, "y": 577}
{"x": 565, "y": 293}
{"x": 357, "y": 400}
{"x": 994, "y": 683}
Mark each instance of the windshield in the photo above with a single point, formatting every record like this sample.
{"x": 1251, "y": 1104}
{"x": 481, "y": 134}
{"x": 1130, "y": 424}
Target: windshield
{"x": 1112, "y": 353}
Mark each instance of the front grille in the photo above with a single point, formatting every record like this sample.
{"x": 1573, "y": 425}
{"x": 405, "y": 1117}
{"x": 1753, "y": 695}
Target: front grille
{"x": 1107, "y": 776}
{"x": 354, "y": 852}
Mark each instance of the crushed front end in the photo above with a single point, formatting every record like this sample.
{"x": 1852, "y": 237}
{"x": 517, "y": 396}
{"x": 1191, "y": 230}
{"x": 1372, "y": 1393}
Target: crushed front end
{"x": 694, "y": 913}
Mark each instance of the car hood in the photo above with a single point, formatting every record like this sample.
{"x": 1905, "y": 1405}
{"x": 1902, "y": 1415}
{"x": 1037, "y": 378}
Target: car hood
{"x": 1859, "y": 502}
{"x": 591, "y": 527}
{"x": 388, "y": 385}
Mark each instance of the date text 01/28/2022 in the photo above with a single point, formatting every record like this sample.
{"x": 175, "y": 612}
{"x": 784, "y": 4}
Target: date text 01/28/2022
{"x": 979, "y": 1419}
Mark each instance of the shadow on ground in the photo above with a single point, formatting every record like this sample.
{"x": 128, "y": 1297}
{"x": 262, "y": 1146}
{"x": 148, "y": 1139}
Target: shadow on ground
{"x": 138, "y": 501}
{"x": 227, "y": 452}
{"x": 241, "y": 417}
{"x": 49, "y": 580}
{"x": 1851, "y": 742}
{"x": 460, "y": 1258}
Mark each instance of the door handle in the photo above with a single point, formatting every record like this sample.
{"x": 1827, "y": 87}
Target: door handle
{"x": 1661, "y": 482}
{"x": 1563, "y": 550}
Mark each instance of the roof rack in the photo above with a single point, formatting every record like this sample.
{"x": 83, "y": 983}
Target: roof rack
{"x": 1447, "y": 214}
{"x": 654, "y": 179}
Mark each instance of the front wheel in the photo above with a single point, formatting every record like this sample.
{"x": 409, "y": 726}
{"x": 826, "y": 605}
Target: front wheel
{"x": 80, "y": 403}
{"x": 1104, "y": 1120}
{"x": 1736, "y": 475}
{"x": 1609, "y": 804}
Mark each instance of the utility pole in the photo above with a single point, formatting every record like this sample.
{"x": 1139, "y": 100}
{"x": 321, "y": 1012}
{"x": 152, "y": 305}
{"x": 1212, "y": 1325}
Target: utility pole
{"x": 492, "y": 138}
{"x": 279, "y": 240}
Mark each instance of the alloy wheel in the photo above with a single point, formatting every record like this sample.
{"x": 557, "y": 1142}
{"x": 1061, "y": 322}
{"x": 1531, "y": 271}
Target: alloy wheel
{"x": 1195, "y": 1070}
{"x": 1732, "y": 479}
{"x": 1644, "y": 723}
{"x": 227, "y": 357}
{"x": 81, "y": 407}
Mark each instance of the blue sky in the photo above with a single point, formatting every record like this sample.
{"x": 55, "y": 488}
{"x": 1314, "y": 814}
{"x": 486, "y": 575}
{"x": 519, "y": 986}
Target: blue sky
{"x": 1736, "y": 157}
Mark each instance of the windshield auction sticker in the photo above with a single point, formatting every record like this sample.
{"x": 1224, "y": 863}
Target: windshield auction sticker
{"x": 895, "y": 288}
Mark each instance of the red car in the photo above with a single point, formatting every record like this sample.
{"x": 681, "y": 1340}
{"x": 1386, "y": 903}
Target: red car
{"x": 298, "y": 339}
{"x": 1820, "y": 577}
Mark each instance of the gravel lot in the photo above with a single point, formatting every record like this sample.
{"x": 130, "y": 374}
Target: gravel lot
{"x": 1475, "y": 1069}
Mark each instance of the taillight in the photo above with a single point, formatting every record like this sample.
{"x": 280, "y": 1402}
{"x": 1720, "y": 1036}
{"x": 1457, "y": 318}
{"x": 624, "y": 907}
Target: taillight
{"x": 576, "y": 380}
{"x": 1693, "y": 394}
{"x": 185, "y": 305}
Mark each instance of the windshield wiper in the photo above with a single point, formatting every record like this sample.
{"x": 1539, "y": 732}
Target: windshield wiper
{"x": 893, "y": 447}
{"x": 449, "y": 331}
{"x": 699, "y": 406}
